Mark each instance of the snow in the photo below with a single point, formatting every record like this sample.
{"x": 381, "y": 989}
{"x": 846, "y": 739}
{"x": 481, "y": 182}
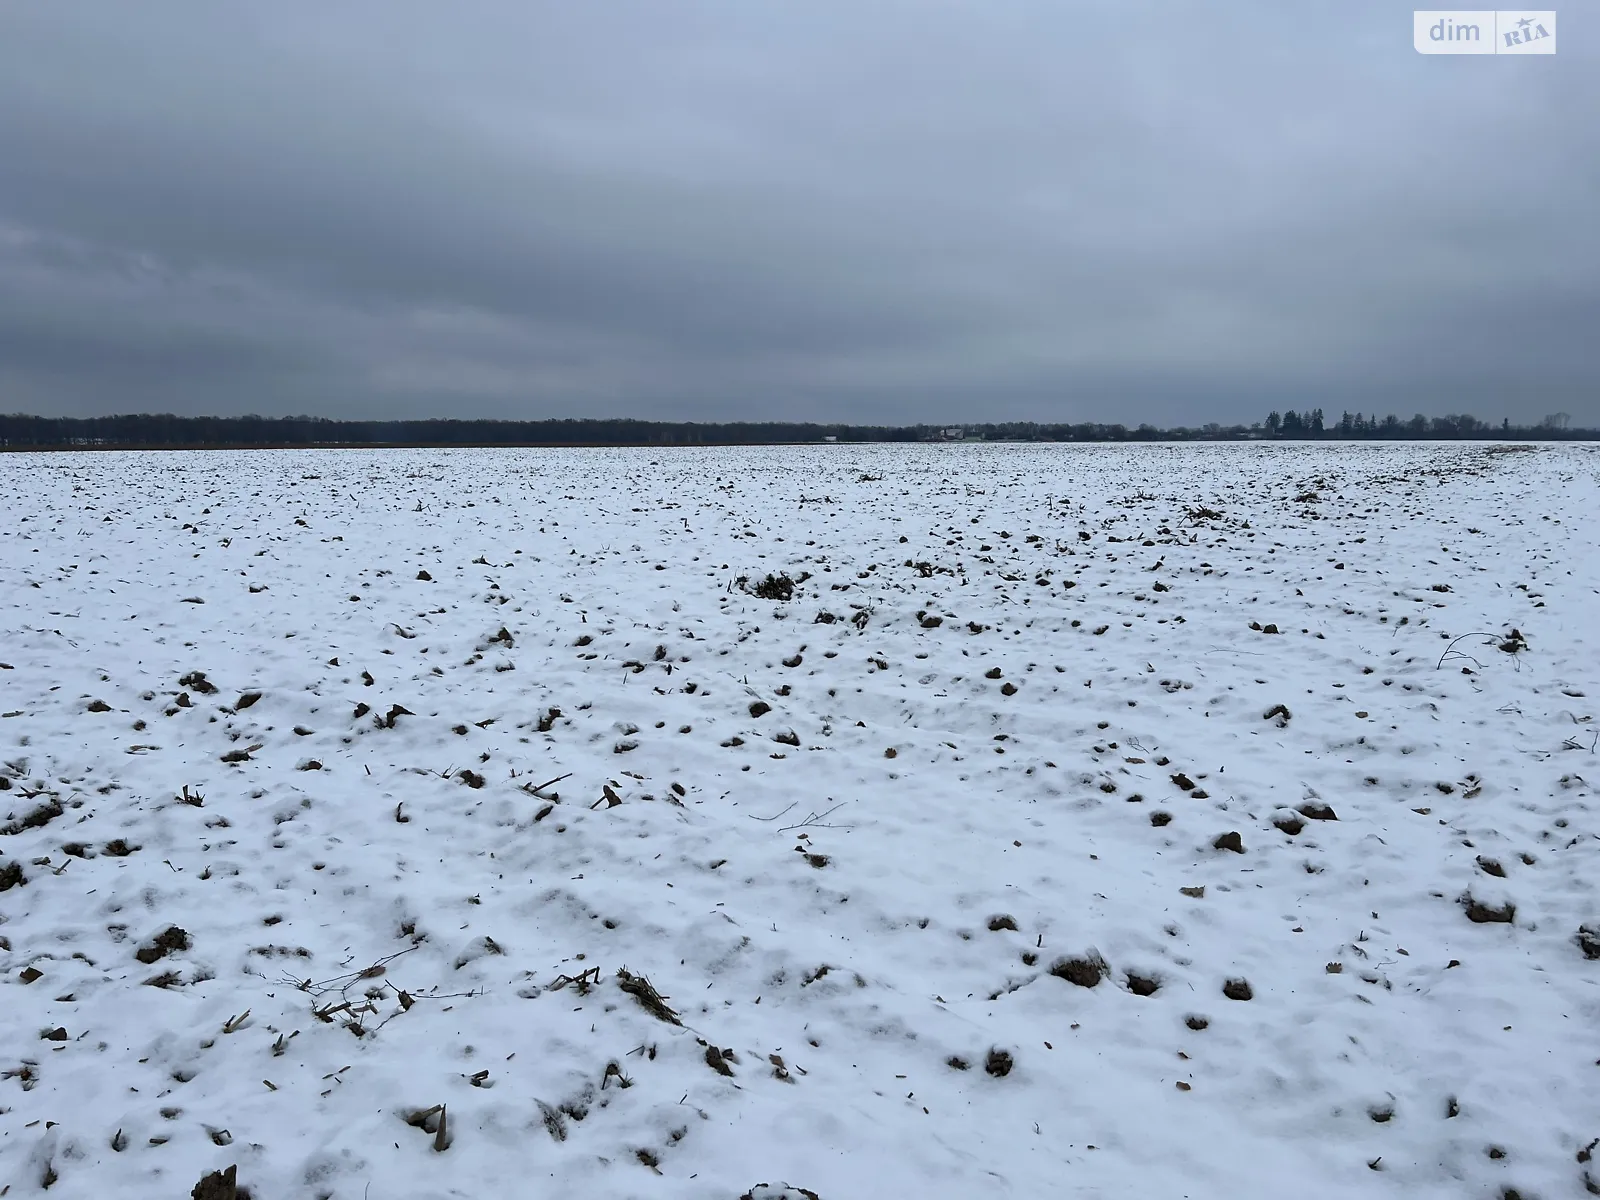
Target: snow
{"x": 833, "y": 918}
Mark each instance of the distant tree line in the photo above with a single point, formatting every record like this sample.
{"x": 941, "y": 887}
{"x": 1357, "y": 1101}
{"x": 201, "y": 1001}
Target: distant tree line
{"x": 1313, "y": 425}
{"x": 163, "y": 431}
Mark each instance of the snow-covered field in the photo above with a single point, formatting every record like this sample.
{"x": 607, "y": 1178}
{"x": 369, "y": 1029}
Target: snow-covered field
{"x": 1088, "y": 821}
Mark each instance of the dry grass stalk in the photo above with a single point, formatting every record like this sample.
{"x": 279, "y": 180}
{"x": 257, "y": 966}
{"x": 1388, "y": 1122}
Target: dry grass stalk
{"x": 649, "y": 999}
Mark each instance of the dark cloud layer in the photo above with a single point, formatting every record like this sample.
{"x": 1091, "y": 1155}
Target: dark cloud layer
{"x": 881, "y": 210}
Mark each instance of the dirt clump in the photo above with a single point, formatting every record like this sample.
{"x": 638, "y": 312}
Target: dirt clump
{"x": 166, "y": 942}
{"x": 1086, "y": 971}
{"x": 999, "y": 1063}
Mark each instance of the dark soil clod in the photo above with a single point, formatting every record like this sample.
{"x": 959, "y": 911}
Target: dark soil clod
{"x": 998, "y": 1063}
{"x": 718, "y": 1063}
{"x": 1143, "y": 985}
{"x": 1085, "y": 972}
{"x": 220, "y": 1185}
{"x": 1238, "y": 989}
{"x": 168, "y": 940}
{"x": 761, "y": 1191}
{"x": 196, "y": 681}
{"x": 1589, "y": 940}
{"x": 775, "y": 587}
{"x": 1488, "y": 914}
{"x": 37, "y": 819}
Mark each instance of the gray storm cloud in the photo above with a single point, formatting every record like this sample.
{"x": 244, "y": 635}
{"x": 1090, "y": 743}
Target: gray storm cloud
{"x": 868, "y": 211}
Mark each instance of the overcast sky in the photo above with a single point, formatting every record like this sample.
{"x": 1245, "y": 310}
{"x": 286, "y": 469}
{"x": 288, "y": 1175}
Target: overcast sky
{"x": 862, "y": 210}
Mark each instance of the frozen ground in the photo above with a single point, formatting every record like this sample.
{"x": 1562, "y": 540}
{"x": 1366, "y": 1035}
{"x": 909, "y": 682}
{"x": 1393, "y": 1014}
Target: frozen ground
{"x": 282, "y": 874}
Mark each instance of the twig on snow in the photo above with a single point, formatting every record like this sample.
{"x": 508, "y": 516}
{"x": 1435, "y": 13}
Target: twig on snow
{"x": 1511, "y": 643}
{"x": 775, "y": 815}
{"x": 1573, "y": 743}
{"x": 343, "y": 983}
{"x": 816, "y": 821}
{"x": 534, "y": 791}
